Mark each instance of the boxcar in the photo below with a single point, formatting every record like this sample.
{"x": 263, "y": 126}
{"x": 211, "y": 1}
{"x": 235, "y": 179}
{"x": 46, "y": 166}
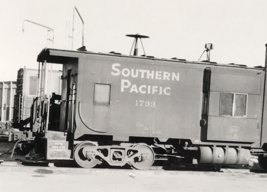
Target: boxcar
{"x": 27, "y": 90}
{"x": 7, "y": 92}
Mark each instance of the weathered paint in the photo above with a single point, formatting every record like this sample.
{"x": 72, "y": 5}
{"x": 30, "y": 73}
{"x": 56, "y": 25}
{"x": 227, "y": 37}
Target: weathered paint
{"x": 135, "y": 113}
{"x": 239, "y": 129}
{"x": 139, "y": 106}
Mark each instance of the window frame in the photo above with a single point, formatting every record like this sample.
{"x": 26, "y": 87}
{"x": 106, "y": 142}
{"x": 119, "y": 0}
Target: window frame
{"x": 109, "y": 95}
{"x": 30, "y": 84}
{"x": 234, "y": 105}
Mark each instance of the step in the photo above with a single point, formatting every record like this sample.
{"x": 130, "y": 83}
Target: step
{"x": 56, "y": 135}
{"x": 58, "y": 154}
{"x": 57, "y": 149}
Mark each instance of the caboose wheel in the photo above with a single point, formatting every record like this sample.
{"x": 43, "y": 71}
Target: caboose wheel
{"x": 84, "y": 155}
{"x": 144, "y": 158}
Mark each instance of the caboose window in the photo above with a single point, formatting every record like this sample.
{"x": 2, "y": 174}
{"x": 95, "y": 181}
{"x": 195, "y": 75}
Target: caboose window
{"x": 233, "y": 104}
{"x": 240, "y": 105}
{"x": 226, "y": 105}
{"x": 102, "y": 94}
{"x": 33, "y": 85}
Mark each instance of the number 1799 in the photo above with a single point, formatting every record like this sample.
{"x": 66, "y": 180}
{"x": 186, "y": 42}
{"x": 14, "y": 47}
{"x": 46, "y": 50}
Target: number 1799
{"x": 145, "y": 103}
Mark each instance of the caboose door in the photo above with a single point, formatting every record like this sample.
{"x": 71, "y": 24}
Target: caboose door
{"x": 231, "y": 104}
{"x": 69, "y": 89}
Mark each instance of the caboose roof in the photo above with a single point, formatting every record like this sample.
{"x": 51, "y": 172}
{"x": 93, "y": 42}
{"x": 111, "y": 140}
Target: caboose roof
{"x": 62, "y": 56}
{"x": 56, "y": 55}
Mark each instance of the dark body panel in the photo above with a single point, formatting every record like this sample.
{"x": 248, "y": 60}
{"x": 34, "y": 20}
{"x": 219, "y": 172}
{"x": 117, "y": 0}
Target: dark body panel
{"x": 242, "y": 128}
{"x": 159, "y": 98}
{"x": 172, "y": 110}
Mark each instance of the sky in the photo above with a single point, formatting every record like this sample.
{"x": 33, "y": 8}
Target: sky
{"x": 177, "y": 28}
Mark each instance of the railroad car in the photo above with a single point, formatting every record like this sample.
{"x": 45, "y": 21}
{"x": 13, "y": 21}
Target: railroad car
{"x": 121, "y": 109}
{"x": 7, "y": 92}
{"x": 27, "y": 89}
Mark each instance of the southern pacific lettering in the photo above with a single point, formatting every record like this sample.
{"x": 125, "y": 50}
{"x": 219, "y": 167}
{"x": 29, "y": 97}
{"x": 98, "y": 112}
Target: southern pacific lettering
{"x": 128, "y": 86}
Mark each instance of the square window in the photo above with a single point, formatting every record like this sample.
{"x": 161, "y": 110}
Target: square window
{"x": 240, "y": 105}
{"x": 233, "y": 104}
{"x": 226, "y": 104}
{"x": 102, "y": 94}
{"x": 33, "y": 85}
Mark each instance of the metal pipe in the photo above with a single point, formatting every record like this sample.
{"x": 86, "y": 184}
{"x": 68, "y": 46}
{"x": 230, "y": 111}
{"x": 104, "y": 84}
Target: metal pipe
{"x": 19, "y": 113}
{"x": 41, "y": 80}
{"x": 136, "y": 47}
{"x": 22, "y": 107}
{"x": 38, "y": 80}
{"x": 49, "y": 28}
{"x": 73, "y": 101}
{"x": 2, "y": 101}
{"x": 142, "y": 46}
{"x": 50, "y": 73}
{"x": 10, "y": 104}
{"x": 75, "y": 9}
{"x": 14, "y": 148}
{"x": 45, "y": 78}
{"x": 48, "y": 114}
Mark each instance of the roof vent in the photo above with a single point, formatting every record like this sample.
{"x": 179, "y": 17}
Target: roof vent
{"x": 259, "y": 67}
{"x": 115, "y": 53}
{"x": 148, "y": 56}
{"x": 175, "y": 58}
{"x": 237, "y": 65}
{"x": 83, "y": 48}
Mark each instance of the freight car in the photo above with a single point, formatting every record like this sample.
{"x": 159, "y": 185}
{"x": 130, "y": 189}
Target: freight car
{"x": 7, "y": 92}
{"x": 134, "y": 110}
{"x": 27, "y": 90}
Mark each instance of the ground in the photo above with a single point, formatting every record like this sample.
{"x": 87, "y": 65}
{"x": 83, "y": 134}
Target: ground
{"x": 16, "y": 177}
{"x": 21, "y": 178}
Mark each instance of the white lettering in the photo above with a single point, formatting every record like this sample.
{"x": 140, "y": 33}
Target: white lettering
{"x": 158, "y": 75}
{"x": 125, "y": 84}
{"x": 160, "y": 90}
{"x": 175, "y": 76}
{"x": 148, "y": 89}
{"x": 117, "y": 71}
{"x": 125, "y": 72}
{"x": 134, "y": 74}
{"x": 154, "y": 89}
{"x": 134, "y": 89}
{"x": 141, "y": 89}
{"x": 150, "y": 74}
{"x": 144, "y": 74}
{"x": 142, "y": 71}
{"x": 165, "y": 91}
{"x": 166, "y": 76}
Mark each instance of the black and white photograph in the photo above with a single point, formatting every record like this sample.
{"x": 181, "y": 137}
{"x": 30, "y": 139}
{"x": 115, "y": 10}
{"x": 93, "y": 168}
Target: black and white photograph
{"x": 140, "y": 95}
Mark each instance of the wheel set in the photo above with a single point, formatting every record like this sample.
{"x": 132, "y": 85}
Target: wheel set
{"x": 138, "y": 156}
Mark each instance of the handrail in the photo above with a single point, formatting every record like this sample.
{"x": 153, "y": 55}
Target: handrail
{"x": 75, "y": 9}
{"x": 49, "y": 28}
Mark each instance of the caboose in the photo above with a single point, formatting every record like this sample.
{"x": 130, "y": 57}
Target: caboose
{"x": 121, "y": 109}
